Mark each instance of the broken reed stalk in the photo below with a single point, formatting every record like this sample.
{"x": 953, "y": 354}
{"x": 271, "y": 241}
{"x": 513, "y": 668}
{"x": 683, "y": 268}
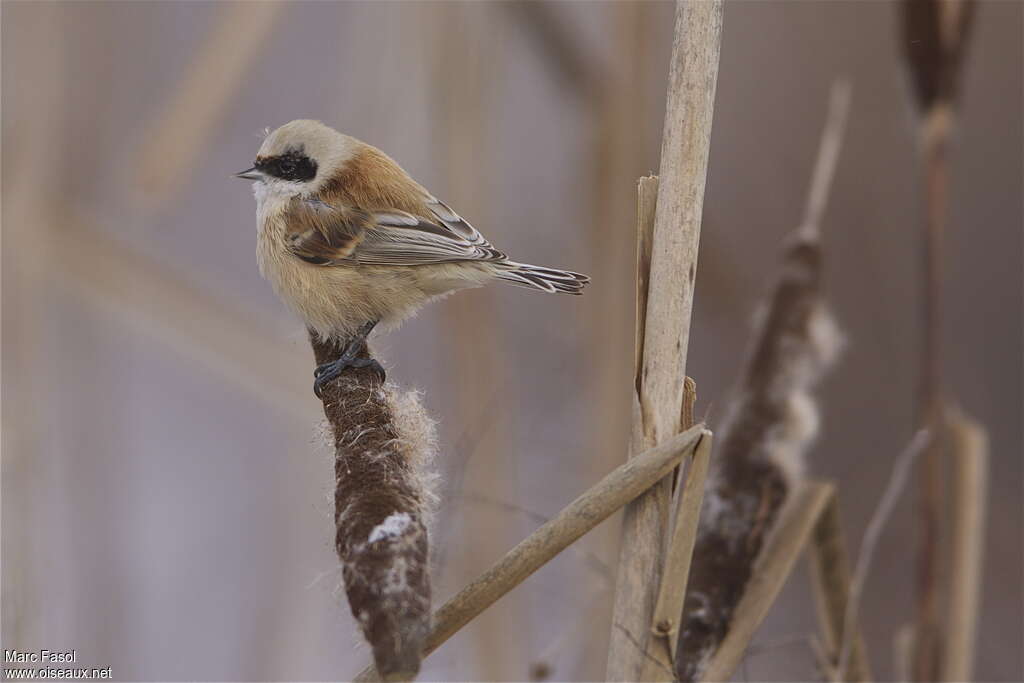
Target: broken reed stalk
{"x": 618, "y": 488}
{"x": 382, "y": 440}
{"x": 770, "y": 423}
{"x": 830, "y": 576}
{"x": 693, "y": 75}
{"x": 969, "y": 450}
{"x": 689, "y": 495}
{"x": 934, "y": 41}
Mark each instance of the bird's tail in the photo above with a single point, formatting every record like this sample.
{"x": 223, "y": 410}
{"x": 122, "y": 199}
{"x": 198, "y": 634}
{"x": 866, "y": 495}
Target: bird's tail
{"x": 545, "y": 279}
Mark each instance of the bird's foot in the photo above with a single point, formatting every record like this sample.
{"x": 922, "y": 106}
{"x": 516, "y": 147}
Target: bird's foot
{"x": 373, "y": 365}
{"x": 328, "y": 372}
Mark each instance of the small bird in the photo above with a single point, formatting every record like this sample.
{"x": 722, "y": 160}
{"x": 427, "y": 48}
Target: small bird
{"x": 350, "y": 241}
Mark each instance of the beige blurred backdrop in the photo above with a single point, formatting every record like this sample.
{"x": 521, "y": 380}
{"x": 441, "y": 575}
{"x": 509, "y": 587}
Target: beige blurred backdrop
{"x": 166, "y": 491}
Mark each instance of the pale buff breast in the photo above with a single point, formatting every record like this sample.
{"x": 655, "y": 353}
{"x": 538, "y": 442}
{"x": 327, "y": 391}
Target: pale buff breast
{"x": 335, "y": 301}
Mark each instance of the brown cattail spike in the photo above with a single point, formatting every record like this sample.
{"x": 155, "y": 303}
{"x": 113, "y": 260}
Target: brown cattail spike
{"x": 382, "y": 439}
{"x": 934, "y": 39}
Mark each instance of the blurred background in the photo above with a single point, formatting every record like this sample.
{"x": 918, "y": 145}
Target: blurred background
{"x": 167, "y": 492}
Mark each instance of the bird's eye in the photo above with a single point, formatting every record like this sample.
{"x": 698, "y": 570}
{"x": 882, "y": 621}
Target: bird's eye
{"x": 293, "y": 166}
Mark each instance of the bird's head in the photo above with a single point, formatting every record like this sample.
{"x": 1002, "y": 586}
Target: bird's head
{"x": 299, "y": 158}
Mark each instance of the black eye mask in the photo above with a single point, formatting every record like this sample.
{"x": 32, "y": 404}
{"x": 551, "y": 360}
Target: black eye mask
{"x": 292, "y": 165}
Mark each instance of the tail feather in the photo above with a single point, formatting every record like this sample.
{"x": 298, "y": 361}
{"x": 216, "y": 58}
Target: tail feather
{"x": 545, "y": 279}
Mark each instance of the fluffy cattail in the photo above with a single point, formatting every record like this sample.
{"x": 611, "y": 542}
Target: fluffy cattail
{"x": 383, "y": 440}
{"x": 771, "y": 421}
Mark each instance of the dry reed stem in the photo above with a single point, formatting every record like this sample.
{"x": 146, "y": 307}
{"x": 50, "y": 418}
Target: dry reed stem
{"x": 177, "y": 138}
{"x": 686, "y": 140}
{"x": 619, "y": 487}
{"x": 891, "y": 495}
{"x": 935, "y": 34}
{"x": 380, "y": 505}
{"x": 685, "y": 143}
{"x": 932, "y": 400}
{"x": 669, "y": 606}
{"x": 830, "y": 575}
{"x": 646, "y": 204}
{"x": 969, "y": 451}
{"x": 830, "y": 145}
{"x": 805, "y": 507}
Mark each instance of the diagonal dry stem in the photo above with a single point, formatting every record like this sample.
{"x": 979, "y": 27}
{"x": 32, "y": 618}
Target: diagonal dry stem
{"x": 793, "y": 531}
{"x": 830, "y": 573}
{"x": 619, "y": 487}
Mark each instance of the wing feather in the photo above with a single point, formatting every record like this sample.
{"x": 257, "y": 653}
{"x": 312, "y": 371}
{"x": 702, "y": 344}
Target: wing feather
{"x": 330, "y": 236}
{"x": 321, "y": 234}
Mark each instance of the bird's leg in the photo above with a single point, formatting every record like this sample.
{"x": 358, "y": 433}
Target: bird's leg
{"x": 348, "y": 359}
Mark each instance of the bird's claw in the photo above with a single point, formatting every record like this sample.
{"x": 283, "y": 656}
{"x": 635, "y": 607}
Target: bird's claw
{"x": 328, "y": 372}
{"x": 373, "y": 365}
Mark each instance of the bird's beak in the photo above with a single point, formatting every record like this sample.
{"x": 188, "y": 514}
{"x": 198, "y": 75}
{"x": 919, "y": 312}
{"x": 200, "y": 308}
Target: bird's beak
{"x": 250, "y": 174}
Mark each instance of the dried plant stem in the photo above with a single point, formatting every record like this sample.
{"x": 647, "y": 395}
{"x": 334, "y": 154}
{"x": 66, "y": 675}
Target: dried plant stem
{"x": 664, "y": 642}
{"x": 617, "y": 488}
{"x": 828, "y": 154}
{"x": 830, "y": 573}
{"x": 893, "y": 491}
{"x": 693, "y": 75}
{"x": 931, "y": 398}
{"x": 792, "y": 533}
{"x": 686, "y": 139}
{"x": 379, "y": 509}
{"x": 935, "y": 36}
{"x": 969, "y": 451}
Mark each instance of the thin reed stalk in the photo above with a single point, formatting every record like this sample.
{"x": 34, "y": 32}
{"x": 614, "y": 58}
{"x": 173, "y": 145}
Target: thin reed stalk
{"x": 796, "y": 524}
{"x": 830, "y": 575}
{"x": 934, "y": 36}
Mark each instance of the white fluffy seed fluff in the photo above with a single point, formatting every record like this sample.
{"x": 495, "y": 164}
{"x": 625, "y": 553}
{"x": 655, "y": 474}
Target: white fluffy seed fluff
{"x": 393, "y": 525}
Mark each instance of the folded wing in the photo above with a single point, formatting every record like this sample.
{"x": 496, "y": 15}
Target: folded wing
{"x": 326, "y": 235}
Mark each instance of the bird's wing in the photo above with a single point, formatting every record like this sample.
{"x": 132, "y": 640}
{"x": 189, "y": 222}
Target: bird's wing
{"x": 325, "y": 235}
{"x": 321, "y": 234}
